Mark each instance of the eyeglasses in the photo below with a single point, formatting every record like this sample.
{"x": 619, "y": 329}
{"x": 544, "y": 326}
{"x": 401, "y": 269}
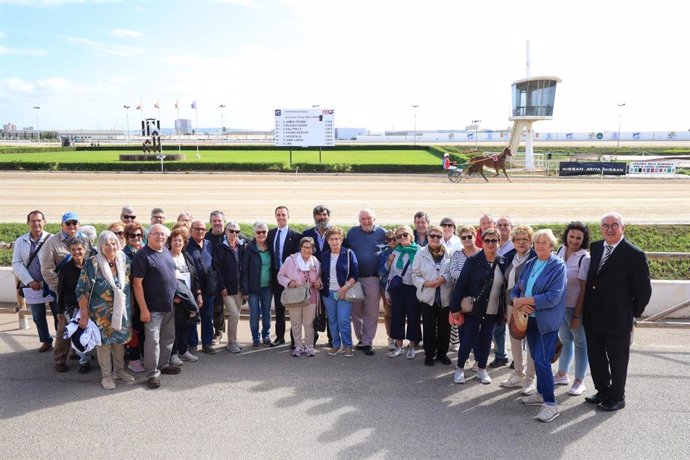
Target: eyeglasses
{"x": 613, "y": 226}
{"x": 502, "y": 225}
{"x": 199, "y": 229}
{"x": 71, "y": 223}
{"x": 390, "y": 240}
{"x": 119, "y": 233}
{"x": 136, "y": 235}
{"x": 260, "y": 232}
{"x": 237, "y": 232}
{"x": 521, "y": 240}
{"x": 402, "y": 236}
{"x": 434, "y": 237}
{"x": 447, "y": 225}
{"x": 491, "y": 241}
{"x": 466, "y": 237}
{"x": 129, "y": 217}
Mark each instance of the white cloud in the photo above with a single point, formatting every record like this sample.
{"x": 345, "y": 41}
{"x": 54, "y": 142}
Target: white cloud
{"x": 6, "y": 51}
{"x": 106, "y": 48}
{"x": 125, "y": 33}
{"x": 16, "y": 85}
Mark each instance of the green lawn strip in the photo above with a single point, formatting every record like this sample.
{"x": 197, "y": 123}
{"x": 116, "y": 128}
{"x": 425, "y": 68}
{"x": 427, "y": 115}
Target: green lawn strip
{"x": 651, "y": 238}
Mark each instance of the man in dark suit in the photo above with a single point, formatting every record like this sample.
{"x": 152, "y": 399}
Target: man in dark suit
{"x": 617, "y": 290}
{"x": 282, "y": 242}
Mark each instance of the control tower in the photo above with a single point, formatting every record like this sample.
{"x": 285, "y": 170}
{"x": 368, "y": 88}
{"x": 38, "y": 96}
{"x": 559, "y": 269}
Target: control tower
{"x": 533, "y": 100}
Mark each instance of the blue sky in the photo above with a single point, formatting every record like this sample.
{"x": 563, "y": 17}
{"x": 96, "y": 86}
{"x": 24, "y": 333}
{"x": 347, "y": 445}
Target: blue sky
{"x": 82, "y": 61}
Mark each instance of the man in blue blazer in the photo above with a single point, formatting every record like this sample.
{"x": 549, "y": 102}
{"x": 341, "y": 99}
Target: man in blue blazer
{"x": 282, "y": 243}
{"x": 618, "y": 289}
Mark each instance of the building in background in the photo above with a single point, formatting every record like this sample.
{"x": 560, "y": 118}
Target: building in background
{"x": 183, "y": 126}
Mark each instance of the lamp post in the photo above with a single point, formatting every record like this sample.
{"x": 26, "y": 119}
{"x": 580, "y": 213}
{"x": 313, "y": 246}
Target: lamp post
{"x": 127, "y": 107}
{"x": 414, "y": 132}
{"x": 38, "y": 132}
{"x": 222, "y": 128}
{"x": 620, "y": 120}
{"x": 476, "y": 132}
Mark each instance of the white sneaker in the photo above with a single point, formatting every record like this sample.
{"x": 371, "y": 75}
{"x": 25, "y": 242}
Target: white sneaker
{"x": 187, "y": 356}
{"x": 456, "y": 348}
{"x": 297, "y": 352}
{"x": 529, "y": 388}
{"x": 310, "y": 352}
{"x": 175, "y": 360}
{"x": 397, "y": 351}
{"x": 561, "y": 380}
{"x": 459, "y": 376}
{"x": 483, "y": 376}
{"x": 233, "y": 347}
{"x": 391, "y": 344}
{"x": 548, "y": 413}
{"x": 533, "y": 400}
{"x": 577, "y": 389}
{"x": 515, "y": 380}
{"x": 411, "y": 352}
{"x": 475, "y": 366}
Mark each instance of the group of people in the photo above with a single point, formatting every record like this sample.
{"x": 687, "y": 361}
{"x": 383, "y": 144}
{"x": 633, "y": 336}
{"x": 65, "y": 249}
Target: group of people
{"x": 145, "y": 291}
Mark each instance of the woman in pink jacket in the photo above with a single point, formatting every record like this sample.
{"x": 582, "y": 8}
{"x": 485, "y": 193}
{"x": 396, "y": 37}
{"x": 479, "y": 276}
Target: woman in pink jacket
{"x": 301, "y": 269}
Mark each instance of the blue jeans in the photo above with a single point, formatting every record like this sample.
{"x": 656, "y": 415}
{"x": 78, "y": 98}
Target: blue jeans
{"x": 260, "y": 305}
{"x": 475, "y": 333}
{"x": 339, "y": 319}
{"x": 206, "y": 314}
{"x": 38, "y": 314}
{"x": 500, "y": 339}
{"x": 542, "y": 347}
{"x": 574, "y": 342}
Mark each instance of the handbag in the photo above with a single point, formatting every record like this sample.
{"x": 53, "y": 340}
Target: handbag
{"x": 396, "y": 282}
{"x": 295, "y": 297}
{"x": 457, "y": 322}
{"x": 467, "y": 303}
{"x": 320, "y": 318}
{"x": 355, "y": 293}
{"x": 32, "y": 256}
{"x": 517, "y": 324}
{"x": 557, "y": 350}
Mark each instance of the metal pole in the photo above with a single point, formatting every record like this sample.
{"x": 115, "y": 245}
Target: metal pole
{"x": 38, "y": 131}
{"x": 127, "y": 107}
{"x": 620, "y": 119}
{"x": 222, "y": 129}
{"x": 414, "y": 139}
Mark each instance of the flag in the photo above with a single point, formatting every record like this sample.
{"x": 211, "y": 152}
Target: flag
{"x": 157, "y": 105}
{"x": 177, "y": 104}
{"x": 139, "y": 106}
{"x": 194, "y": 105}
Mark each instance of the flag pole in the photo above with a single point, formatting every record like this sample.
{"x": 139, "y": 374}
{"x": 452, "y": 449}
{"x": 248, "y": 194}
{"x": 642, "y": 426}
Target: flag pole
{"x": 196, "y": 115}
{"x": 179, "y": 135}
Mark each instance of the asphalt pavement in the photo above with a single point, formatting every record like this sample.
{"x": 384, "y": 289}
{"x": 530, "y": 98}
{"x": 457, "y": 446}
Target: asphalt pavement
{"x": 266, "y": 404}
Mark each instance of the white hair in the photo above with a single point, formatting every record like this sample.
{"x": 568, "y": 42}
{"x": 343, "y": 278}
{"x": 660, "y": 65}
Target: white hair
{"x": 613, "y": 214}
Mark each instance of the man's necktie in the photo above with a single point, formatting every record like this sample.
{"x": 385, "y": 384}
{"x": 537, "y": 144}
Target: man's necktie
{"x": 277, "y": 260}
{"x": 607, "y": 252}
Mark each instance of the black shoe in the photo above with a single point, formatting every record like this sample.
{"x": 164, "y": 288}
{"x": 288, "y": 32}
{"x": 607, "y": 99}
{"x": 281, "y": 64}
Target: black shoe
{"x": 61, "y": 367}
{"x": 359, "y": 346}
{"x": 512, "y": 364}
{"x": 498, "y": 362}
{"x": 330, "y": 344}
{"x": 611, "y": 406}
{"x": 444, "y": 359}
{"x": 171, "y": 370}
{"x": 84, "y": 368}
{"x": 368, "y": 350}
{"x": 209, "y": 350}
{"x": 154, "y": 382}
{"x": 428, "y": 361}
{"x": 278, "y": 341}
{"x": 595, "y": 399}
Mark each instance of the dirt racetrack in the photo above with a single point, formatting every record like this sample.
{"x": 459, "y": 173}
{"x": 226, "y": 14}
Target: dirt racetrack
{"x": 247, "y": 197}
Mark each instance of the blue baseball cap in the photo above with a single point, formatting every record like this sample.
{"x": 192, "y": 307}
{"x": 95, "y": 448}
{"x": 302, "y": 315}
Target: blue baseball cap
{"x": 70, "y": 215}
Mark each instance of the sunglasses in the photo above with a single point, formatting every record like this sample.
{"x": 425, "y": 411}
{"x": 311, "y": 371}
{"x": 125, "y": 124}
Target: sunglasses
{"x": 447, "y": 225}
{"x": 390, "y": 240}
{"x": 119, "y": 233}
{"x": 466, "y": 237}
{"x": 402, "y": 236}
{"x": 71, "y": 223}
{"x": 260, "y": 232}
{"x": 434, "y": 237}
{"x": 237, "y": 232}
{"x": 490, "y": 241}
{"x": 136, "y": 235}
{"x": 129, "y": 217}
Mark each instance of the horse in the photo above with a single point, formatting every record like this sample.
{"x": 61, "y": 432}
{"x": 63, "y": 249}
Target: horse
{"x": 497, "y": 162}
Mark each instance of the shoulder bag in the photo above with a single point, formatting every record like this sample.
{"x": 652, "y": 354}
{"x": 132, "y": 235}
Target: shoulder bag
{"x": 355, "y": 293}
{"x": 517, "y": 324}
{"x": 295, "y": 297}
{"x": 396, "y": 282}
{"x": 32, "y": 256}
{"x": 467, "y": 304}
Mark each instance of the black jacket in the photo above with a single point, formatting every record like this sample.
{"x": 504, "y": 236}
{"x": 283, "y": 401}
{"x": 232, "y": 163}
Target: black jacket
{"x": 476, "y": 278}
{"x": 251, "y": 269}
{"x": 228, "y": 266}
{"x": 619, "y": 292}
{"x": 290, "y": 247}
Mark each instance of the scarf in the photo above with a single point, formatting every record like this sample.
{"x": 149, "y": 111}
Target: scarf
{"x": 119, "y": 309}
{"x": 302, "y": 265}
{"x": 410, "y": 250}
{"x": 438, "y": 254}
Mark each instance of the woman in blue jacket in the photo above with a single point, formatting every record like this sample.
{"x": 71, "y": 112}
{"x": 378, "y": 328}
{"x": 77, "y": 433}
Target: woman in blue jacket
{"x": 541, "y": 294}
{"x": 340, "y": 272}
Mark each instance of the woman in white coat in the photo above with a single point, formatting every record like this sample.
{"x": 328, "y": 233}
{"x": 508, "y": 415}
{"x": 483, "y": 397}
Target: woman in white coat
{"x": 431, "y": 277}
